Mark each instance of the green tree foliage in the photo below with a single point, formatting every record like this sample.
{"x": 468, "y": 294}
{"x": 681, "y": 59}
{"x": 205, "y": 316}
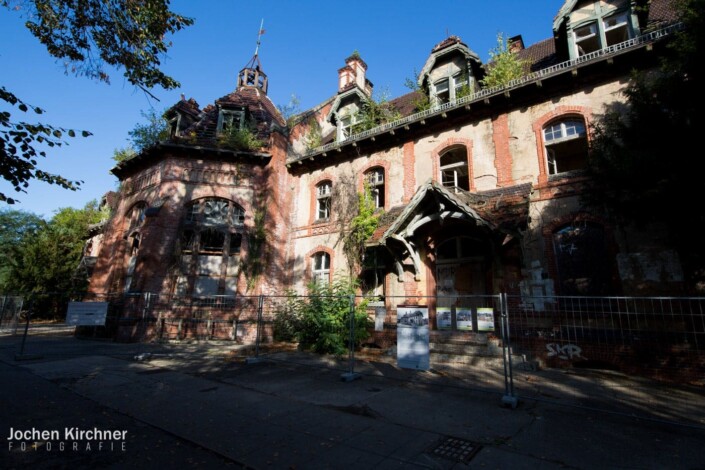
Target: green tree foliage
{"x": 241, "y": 138}
{"x": 92, "y": 38}
{"x": 320, "y": 321}
{"x": 643, "y": 157}
{"x": 362, "y": 226}
{"x": 375, "y": 112}
{"x": 314, "y": 136}
{"x": 46, "y": 259}
{"x": 290, "y": 110}
{"x": 144, "y": 135}
{"x": 124, "y": 153}
{"x": 15, "y": 226}
{"x": 504, "y": 65}
{"x": 422, "y": 101}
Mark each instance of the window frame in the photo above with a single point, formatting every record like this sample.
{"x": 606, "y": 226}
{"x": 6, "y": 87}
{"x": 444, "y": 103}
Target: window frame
{"x": 579, "y": 132}
{"x": 226, "y": 118}
{"x": 462, "y": 162}
{"x": 210, "y": 265}
{"x": 321, "y": 275}
{"x": 600, "y": 29}
{"x": 324, "y": 200}
{"x": 377, "y": 187}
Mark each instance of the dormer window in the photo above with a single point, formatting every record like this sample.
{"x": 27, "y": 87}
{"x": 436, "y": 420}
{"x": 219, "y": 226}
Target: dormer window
{"x": 442, "y": 91}
{"x": 229, "y": 120}
{"x": 616, "y": 29}
{"x": 174, "y": 123}
{"x": 603, "y": 29}
{"x": 346, "y": 126}
{"x": 449, "y": 89}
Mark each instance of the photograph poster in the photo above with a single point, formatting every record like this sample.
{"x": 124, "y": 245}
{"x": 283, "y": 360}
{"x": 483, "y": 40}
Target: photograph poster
{"x": 413, "y": 337}
{"x": 485, "y": 319}
{"x": 464, "y": 318}
{"x": 443, "y": 318}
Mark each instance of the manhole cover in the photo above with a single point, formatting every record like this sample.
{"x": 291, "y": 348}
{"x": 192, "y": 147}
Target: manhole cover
{"x": 452, "y": 448}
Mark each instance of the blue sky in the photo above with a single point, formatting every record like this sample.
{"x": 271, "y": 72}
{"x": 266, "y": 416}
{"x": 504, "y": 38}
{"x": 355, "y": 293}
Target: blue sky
{"x": 304, "y": 45}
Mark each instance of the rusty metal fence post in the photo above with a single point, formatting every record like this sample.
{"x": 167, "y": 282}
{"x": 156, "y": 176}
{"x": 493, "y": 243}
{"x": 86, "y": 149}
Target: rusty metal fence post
{"x": 509, "y": 398}
{"x": 351, "y": 375}
{"x": 258, "y": 332}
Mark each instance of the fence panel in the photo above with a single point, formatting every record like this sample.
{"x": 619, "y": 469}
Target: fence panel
{"x": 10, "y": 308}
{"x": 640, "y": 356}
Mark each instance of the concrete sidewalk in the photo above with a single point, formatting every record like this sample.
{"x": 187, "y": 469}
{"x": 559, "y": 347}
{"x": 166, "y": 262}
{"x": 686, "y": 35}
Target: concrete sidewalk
{"x": 286, "y": 414}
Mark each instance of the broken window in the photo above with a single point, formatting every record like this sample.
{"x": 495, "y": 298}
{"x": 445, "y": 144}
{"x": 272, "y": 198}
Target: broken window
{"x": 323, "y": 200}
{"x": 608, "y": 29}
{"x": 230, "y": 120}
{"x": 375, "y": 180}
{"x": 582, "y": 260}
{"x": 566, "y": 145}
{"x": 454, "y": 169}
{"x": 210, "y": 247}
{"x": 134, "y": 221}
{"x": 442, "y": 91}
{"x": 374, "y": 272}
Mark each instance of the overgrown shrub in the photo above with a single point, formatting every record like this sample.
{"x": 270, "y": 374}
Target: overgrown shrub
{"x": 320, "y": 321}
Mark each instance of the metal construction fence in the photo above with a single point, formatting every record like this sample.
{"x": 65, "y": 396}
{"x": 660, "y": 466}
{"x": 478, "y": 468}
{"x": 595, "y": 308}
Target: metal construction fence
{"x": 640, "y": 356}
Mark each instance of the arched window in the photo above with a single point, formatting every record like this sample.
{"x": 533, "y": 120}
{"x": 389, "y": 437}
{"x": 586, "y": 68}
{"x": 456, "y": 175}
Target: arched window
{"x": 566, "y": 145}
{"x": 324, "y": 192}
{"x": 375, "y": 180}
{"x": 454, "y": 169}
{"x": 320, "y": 268}
{"x": 210, "y": 244}
{"x": 134, "y": 221}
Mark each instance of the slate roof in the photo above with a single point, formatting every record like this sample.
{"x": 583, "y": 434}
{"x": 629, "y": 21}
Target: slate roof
{"x": 540, "y": 55}
{"x": 662, "y": 12}
{"x": 260, "y": 109}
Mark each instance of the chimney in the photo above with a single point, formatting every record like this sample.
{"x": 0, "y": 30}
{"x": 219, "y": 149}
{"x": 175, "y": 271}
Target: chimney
{"x": 354, "y": 73}
{"x": 515, "y": 43}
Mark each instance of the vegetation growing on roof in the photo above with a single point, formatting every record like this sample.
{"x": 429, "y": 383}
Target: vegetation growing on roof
{"x": 241, "y": 138}
{"x": 422, "y": 101}
{"x": 144, "y": 135}
{"x": 314, "y": 136}
{"x": 504, "y": 65}
{"x": 375, "y": 112}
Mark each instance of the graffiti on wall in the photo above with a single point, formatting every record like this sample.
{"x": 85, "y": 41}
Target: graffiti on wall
{"x": 564, "y": 351}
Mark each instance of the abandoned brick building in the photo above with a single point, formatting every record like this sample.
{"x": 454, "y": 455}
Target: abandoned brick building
{"x": 478, "y": 188}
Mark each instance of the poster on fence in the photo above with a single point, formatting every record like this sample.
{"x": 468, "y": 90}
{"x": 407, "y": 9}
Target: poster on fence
{"x": 86, "y": 313}
{"x": 463, "y": 318}
{"x": 413, "y": 337}
{"x": 443, "y": 318}
{"x": 485, "y": 319}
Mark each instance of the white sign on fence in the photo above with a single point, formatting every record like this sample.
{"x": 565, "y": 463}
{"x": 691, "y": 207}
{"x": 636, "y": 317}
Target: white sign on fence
{"x": 413, "y": 337}
{"x": 86, "y": 313}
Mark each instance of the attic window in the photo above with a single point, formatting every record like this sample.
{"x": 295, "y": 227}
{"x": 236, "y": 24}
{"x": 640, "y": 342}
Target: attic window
{"x": 174, "y": 123}
{"x": 442, "y": 91}
{"x": 228, "y": 119}
{"x": 346, "y": 126}
{"x": 606, "y": 29}
{"x": 616, "y": 29}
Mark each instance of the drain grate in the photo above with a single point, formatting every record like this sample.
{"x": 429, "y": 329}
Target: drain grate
{"x": 452, "y": 448}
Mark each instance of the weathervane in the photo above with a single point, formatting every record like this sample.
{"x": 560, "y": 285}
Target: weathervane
{"x": 259, "y": 35}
